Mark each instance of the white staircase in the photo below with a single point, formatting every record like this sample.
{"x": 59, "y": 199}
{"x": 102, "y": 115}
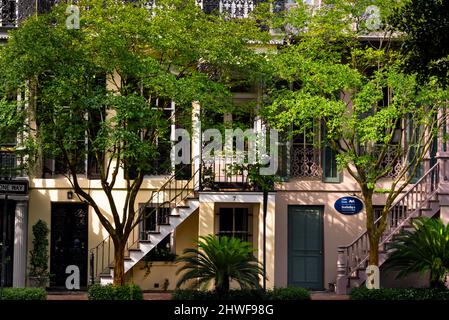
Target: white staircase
{"x": 138, "y": 251}
{"x": 419, "y": 200}
{"x": 179, "y": 196}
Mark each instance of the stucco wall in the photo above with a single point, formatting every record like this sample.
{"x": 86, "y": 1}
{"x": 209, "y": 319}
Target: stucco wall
{"x": 208, "y": 222}
{"x": 160, "y": 272}
{"x": 45, "y": 191}
{"x": 338, "y": 229}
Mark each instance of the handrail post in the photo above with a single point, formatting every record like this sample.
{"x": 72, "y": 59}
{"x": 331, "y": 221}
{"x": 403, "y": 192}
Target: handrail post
{"x": 342, "y": 267}
{"x": 92, "y": 271}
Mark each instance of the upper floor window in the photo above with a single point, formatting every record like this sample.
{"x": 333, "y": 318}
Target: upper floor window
{"x": 311, "y": 156}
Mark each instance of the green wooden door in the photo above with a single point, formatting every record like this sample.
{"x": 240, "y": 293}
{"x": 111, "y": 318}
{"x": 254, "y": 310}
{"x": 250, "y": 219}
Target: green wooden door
{"x": 305, "y": 247}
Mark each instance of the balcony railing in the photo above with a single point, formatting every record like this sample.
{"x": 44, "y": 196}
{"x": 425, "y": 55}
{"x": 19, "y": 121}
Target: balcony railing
{"x": 13, "y": 12}
{"x": 220, "y": 172}
{"x": 236, "y": 8}
{"x": 306, "y": 161}
{"x": 392, "y": 162}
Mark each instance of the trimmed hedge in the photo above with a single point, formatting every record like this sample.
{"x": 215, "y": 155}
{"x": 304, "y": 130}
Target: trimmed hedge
{"x": 399, "y": 294}
{"x": 110, "y": 292}
{"x": 23, "y": 294}
{"x": 291, "y": 293}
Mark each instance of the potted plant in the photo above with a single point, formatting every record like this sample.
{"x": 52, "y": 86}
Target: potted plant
{"x": 38, "y": 275}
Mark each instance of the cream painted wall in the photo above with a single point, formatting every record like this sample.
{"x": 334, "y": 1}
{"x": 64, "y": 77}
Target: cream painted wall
{"x": 159, "y": 273}
{"x": 45, "y": 191}
{"x": 186, "y": 234}
{"x": 208, "y": 224}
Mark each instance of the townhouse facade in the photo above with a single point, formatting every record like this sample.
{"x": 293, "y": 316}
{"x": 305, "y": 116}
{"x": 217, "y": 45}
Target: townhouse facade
{"x": 301, "y": 238}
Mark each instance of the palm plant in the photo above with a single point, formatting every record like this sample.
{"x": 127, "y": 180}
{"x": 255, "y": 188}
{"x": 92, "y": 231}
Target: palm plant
{"x": 220, "y": 259}
{"x": 425, "y": 249}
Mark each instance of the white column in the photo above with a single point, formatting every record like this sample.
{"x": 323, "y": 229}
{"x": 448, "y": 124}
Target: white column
{"x": 196, "y": 143}
{"x": 20, "y": 244}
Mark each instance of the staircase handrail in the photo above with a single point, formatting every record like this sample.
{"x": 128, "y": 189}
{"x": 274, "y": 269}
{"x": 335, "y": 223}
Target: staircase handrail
{"x": 397, "y": 204}
{"x": 94, "y": 252}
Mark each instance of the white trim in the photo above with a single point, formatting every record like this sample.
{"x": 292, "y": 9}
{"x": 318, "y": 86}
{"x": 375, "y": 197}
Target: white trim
{"x": 239, "y": 197}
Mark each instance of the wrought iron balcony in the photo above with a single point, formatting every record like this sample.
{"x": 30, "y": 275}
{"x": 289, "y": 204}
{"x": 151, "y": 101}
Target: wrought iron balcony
{"x": 306, "y": 161}
{"x": 13, "y": 12}
{"x": 236, "y": 8}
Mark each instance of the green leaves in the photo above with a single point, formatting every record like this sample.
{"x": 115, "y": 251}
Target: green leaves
{"x": 425, "y": 249}
{"x": 220, "y": 260}
{"x": 425, "y": 29}
{"x": 39, "y": 253}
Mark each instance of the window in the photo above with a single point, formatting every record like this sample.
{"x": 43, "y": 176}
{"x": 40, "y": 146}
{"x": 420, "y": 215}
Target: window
{"x": 306, "y": 156}
{"x": 154, "y": 217}
{"x": 8, "y": 17}
{"x": 93, "y": 166}
{"x": 10, "y": 161}
{"x": 162, "y": 164}
{"x": 413, "y": 134}
{"x": 330, "y": 169}
{"x": 283, "y": 156}
{"x": 235, "y": 222}
{"x": 83, "y": 154}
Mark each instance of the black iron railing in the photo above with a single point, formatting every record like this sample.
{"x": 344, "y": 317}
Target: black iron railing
{"x": 13, "y": 12}
{"x": 170, "y": 195}
{"x": 222, "y": 172}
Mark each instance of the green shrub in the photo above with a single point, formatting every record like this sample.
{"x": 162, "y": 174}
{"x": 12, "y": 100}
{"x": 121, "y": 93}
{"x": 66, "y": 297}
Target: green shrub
{"x": 290, "y": 293}
{"x": 423, "y": 249}
{"x": 217, "y": 261}
{"x": 275, "y": 294}
{"x": 39, "y": 253}
{"x": 399, "y": 294}
{"x": 23, "y": 294}
{"x": 111, "y": 292}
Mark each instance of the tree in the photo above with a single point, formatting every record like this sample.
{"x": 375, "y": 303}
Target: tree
{"x": 91, "y": 92}
{"x": 422, "y": 250}
{"x": 424, "y": 27}
{"x": 330, "y": 76}
{"x": 220, "y": 259}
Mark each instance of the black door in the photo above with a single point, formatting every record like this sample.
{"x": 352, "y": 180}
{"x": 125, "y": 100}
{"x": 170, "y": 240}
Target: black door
{"x": 68, "y": 241}
{"x": 305, "y": 247}
{"x": 8, "y": 231}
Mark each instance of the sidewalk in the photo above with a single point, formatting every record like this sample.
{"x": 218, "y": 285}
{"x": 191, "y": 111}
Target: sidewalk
{"x": 167, "y": 296}
{"x": 327, "y": 296}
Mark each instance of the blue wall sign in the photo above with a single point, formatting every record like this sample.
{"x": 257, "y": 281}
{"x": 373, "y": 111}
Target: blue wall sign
{"x": 348, "y": 205}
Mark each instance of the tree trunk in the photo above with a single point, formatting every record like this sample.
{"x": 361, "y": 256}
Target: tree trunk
{"x": 119, "y": 264}
{"x": 371, "y": 227}
{"x": 223, "y": 289}
{"x": 374, "y": 251}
